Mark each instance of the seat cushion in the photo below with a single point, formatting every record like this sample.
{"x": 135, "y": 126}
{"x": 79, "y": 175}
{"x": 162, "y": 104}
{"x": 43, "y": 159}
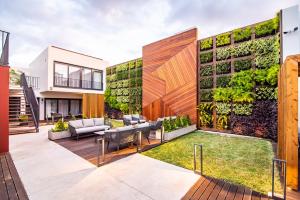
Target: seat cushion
{"x": 98, "y": 121}
{"x": 128, "y": 117}
{"x": 76, "y": 123}
{"x": 124, "y": 128}
{"x": 133, "y": 122}
{"x": 91, "y": 129}
{"x": 146, "y": 124}
{"x": 88, "y": 122}
{"x": 142, "y": 121}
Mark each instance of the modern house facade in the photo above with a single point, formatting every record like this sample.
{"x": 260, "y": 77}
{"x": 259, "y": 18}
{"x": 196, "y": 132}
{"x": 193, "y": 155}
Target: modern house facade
{"x": 64, "y": 80}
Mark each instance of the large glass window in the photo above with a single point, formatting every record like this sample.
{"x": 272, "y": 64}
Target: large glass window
{"x": 97, "y": 80}
{"x": 86, "y": 78}
{"x": 51, "y": 107}
{"x": 75, "y": 107}
{"x": 61, "y": 74}
{"x": 74, "y": 76}
{"x": 63, "y": 107}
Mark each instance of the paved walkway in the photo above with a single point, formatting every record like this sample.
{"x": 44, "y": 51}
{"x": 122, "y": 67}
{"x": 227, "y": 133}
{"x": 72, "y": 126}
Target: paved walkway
{"x": 49, "y": 171}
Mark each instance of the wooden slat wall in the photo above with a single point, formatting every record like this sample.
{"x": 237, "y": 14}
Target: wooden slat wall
{"x": 288, "y": 118}
{"x": 169, "y": 76}
{"x": 93, "y": 105}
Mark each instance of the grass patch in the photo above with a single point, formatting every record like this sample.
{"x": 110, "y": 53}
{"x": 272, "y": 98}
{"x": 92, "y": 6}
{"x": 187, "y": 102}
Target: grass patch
{"x": 244, "y": 161}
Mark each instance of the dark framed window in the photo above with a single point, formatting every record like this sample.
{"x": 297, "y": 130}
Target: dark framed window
{"x": 72, "y": 76}
{"x": 65, "y": 107}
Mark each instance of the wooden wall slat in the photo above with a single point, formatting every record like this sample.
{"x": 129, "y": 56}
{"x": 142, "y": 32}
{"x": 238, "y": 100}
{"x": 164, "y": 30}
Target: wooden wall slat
{"x": 93, "y": 105}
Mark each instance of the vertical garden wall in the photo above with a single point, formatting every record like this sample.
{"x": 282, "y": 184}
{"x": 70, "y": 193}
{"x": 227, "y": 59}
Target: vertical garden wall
{"x": 237, "y": 80}
{"x": 124, "y": 88}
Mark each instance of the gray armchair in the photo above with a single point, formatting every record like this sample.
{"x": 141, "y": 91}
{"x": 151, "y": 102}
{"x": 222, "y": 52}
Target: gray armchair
{"x": 133, "y": 119}
{"x": 122, "y": 135}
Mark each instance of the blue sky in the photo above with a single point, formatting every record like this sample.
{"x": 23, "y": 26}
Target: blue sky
{"x": 116, "y": 30}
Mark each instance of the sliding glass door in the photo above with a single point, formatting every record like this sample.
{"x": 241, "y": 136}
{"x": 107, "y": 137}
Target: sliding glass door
{"x": 64, "y": 107}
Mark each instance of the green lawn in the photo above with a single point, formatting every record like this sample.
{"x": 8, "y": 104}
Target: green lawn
{"x": 245, "y": 161}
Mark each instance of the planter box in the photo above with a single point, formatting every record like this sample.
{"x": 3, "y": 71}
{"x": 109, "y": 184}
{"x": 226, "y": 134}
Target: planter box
{"x": 179, "y": 132}
{"x": 58, "y": 135}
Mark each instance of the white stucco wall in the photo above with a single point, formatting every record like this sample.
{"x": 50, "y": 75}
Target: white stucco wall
{"x": 291, "y": 40}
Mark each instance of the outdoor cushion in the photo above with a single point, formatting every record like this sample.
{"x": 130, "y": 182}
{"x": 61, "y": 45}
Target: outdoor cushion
{"x": 91, "y": 129}
{"x": 88, "y": 122}
{"x": 76, "y": 124}
{"x": 142, "y": 121}
{"x": 160, "y": 119}
{"x": 99, "y": 121}
{"x": 143, "y": 125}
{"x": 133, "y": 122}
{"x": 124, "y": 128}
{"x": 127, "y": 117}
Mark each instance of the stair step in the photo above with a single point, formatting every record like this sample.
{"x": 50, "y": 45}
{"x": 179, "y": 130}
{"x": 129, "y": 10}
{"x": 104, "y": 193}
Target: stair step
{"x": 21, "y": 130}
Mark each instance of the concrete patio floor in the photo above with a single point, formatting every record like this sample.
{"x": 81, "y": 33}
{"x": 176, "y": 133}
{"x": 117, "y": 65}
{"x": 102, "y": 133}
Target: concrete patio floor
{"x": 49, "y": 171}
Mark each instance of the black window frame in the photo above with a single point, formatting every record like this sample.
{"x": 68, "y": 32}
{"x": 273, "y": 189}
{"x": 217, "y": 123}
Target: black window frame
{"x": 80, "y": 82}
{"x": 57, "y": 105}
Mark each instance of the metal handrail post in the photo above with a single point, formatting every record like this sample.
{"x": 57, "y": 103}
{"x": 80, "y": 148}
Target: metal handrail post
{"x": 284, "y": 176}
{"x": 103, "y": 153}
{"x": 200, "y": 158}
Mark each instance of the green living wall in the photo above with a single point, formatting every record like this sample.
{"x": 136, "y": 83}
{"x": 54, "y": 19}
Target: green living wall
{"x": 124, "y": 87}
{"x": 237, "y": 85}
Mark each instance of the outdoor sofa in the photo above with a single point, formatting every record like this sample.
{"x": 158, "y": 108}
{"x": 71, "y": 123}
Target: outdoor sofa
{"x": 133, "y": 119}
{"x": 86, "y": 126}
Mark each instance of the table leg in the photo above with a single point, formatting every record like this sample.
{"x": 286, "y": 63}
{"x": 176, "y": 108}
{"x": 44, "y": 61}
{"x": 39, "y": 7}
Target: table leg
{"x": 103, "y": 153}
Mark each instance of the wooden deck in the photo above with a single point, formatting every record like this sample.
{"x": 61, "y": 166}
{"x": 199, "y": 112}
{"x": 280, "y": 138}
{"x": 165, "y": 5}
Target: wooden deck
{"x": 11, "y": 186}
{"x": 88, "y": 149}
{"x": 210, "y": 188}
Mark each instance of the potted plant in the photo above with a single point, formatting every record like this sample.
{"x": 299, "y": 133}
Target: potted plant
{"x": 23, "y": 118}
{"x": 59, "y": 131}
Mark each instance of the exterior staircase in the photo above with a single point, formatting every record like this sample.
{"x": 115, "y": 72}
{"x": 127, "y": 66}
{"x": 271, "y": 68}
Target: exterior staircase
{"x": 20, "y": 116}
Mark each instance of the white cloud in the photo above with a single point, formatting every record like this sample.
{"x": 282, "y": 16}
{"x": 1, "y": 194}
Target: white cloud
{"x": 116, "y": 30}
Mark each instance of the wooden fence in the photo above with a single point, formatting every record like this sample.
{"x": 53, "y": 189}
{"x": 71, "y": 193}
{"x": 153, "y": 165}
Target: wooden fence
{"x": 288, "y": 118}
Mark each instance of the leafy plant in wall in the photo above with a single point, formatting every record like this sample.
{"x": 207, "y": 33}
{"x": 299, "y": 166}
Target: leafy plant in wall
{"x": 223, "y": 108}
{"x": 264, "y": 76}
{"x": 223, "y": 39}
{"x": 243, "y": 49}
{"x": 223, "y": 81}
{"x": 113, "y": 77}
{"x": 243, "y": 80}
{"x": 242, "y": 109}
{"x": 206, "y": 70}
{"x": 224, "y": 53}
{"x": 139, "y": 63}
{"x": 267, "y": 28}
{"x": 131, "y": 64}
{"x": 222, "y": 122}
{"x": 240, "y": 96}
{"x": 266, "y": 93}
{"x": 205, "y": 114}
{"x": 240, "y": 35}
{"x": 206, "y": 44}
{"x": 124, "y": 108}
{"x": 222, "y": 94}
{"x": 223, "y": 68}
{"x": 206, "y": 57}
{"x": 206, "y": 83}
{"x": 240, "y": 65}
{"x": 206, "y": 95}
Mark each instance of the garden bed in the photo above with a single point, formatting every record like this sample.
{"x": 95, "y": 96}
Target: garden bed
{"x": 244, "y": 161}
{"x": 58, "y": 135}
{"x": 179, "y": 132}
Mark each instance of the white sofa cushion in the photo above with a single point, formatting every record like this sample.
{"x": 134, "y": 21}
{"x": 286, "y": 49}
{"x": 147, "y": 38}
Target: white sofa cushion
{"x": 124, "y": 128}
{"x": 128, "y": 117}
{"x": 98, "y": 121}
{"x": 92, "y": 129}
{"x": 76, "y": 123}
{"x": 88, "y": 122}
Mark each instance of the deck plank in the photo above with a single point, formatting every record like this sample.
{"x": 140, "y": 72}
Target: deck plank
{"x": 231, "y": 192}
{"x": 217, "y": 190}
{"x": 3, "y": 190}
{"x": 209, "y": 190}
{"x": 193, "y": 189}
{"x": 11, "y": 190}
{"x": 239, "y": 193}
{"x": 222, "y": 195}
{"x": 201, "y": 189}
{"x": 247, "y": 194}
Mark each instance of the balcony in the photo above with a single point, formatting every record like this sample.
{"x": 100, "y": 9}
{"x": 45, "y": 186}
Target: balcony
{"x": 4, "y": 49}
{"x": 77, "y": 83}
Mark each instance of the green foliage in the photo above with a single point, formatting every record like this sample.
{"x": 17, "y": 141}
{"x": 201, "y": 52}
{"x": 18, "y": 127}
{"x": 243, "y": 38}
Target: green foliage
{"x": 266, "y": 93}
{"x": 124, "y": 108}
{"x": 139, "y": 63}
{"x": 205, "y": 114}
{"x": 240, "y": 65}
{"x": 108, "y": 71}
{"x": 240, "y": 96}
{"x": 60, "y": 126}
{"x": 243, "y": 49}
{"x": 266, "y": 52}
{"x": 206, "y": 83}
{"x": 206, "y": 70}
{"x": 223, "y": 68}
{"x": 178, "y": 122}
{"x": 206, "y": 57}
{"x": 224, "y": 53}
{"x": 167, "y": 125}
{"x": 267, "y": 76}
{"x": 113, "y": 77}
{"x": 223, "y": 39}
{"x": 242, "y": 34}
{"x": 23, "y": 118}
{"x": 267, "y": 28}
{"x": 132, "y": 82}
{"x": 122, "y": 67}
{"x": 139, "y": 72}
{"x": 223, "y": 108}
{"x": 206, "y": 95}
{"x": 139, "y": 81}
{"x": 206, "y": 44}
{"x": 222, "y": 122}
{"x": 110, "y": 99}
{"x": 242, "y": 109}
{"x": 222, "y": 94}
{"x": 243, "y": 80}
{"x": 131, "y": 64}
{"x": 223, "y": 81}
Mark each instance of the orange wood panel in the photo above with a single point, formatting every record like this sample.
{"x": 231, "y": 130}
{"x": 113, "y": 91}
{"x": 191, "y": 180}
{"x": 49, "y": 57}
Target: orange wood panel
{"x": 170, "y": 77}
{"x": 93, "y": 105}
{"x": 288, "y": 118}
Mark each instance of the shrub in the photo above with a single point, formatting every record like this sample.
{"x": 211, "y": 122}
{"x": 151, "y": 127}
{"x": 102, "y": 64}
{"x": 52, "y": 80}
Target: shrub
{"x": 223, "y": 68}
{"x": 224, "y": 53}
{"x": 166, "y": 125}
{"x": 243, "y": 80}
{"x": 205, "y": 114}
{"x": 240, "y": 35}
{"x": 223, "y": 39}
{"x": 206, "y": 83}
{"x": 242, "y": 109}
{"x": 206, "y": 70}
{"x": 124, "y": 108}
{"x": 206, "y": 57}
{"x": 267, "y": 28}
{"x": 60, "y": 126}
{"x": 23, "y": 117}
{"x": 206, "y": 44}
{"x": 178, "y": 122}
{"x": 223, "y": 108}
{"x": 270, "y": 76}
{"x": 222, "y": 94}
{"x": 266, "y": 93}
{"x": 206, "y": 95}
{"x": 139, "y": 63}
{"x": 240, "y": 65}
{"x": 243, "y": 49}
{"x": 223, "y": 81}
{"x": 241, "y": 96}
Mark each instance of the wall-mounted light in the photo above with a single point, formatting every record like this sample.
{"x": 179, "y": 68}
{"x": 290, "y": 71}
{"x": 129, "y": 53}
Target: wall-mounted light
{"x": 291, "y": 31}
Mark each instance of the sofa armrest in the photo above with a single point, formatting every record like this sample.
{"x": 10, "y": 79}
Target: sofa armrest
{"x": 72, "y": 130}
